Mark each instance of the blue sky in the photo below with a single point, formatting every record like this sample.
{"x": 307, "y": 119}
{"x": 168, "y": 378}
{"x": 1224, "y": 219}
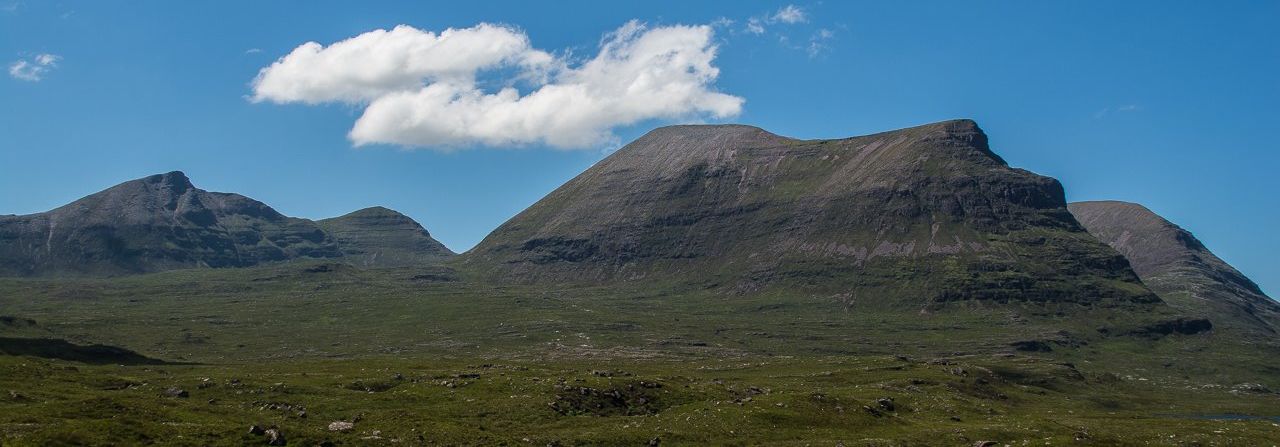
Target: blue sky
{"x": 1170, "y": 104}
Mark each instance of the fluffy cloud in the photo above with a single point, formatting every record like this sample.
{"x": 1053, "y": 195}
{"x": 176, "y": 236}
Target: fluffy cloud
{"x": 421, "y": 88}
{"x": 34, "y": 69}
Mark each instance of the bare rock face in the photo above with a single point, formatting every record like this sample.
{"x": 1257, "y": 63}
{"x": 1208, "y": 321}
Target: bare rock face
{"x": 379, "y": 236}
{"x": 1178, "y": 267}
{"x": 929, "y": 210}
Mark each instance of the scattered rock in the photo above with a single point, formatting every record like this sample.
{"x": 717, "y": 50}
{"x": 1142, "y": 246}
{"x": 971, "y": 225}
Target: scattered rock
{"x": 342, "y": 426}
{"x": 885, "y": 403}
{"x": 633, "y": 398}
{"x": 257, "y": 430}
{"x": 609, "y": 373}
{"x": 985, "y": 444}
{"x": 1256, "y": 388}
{"x": 655, "y": 442}
{"x": 177, "y": 392}
{"x": 275, "y": 437}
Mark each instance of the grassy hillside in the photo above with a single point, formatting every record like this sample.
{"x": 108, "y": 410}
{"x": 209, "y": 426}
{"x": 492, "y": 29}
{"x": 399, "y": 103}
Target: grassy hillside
{"x": 430, "y": 352}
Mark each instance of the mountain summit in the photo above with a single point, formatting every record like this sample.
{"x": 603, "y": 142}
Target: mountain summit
{"x": 163, "y": 222}
{"x": 379, "y": 236}
{"x": 927, "y": 210}
{"x": 1177, "y": 266}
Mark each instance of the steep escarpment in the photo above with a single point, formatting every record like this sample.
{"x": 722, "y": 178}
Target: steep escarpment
{"x": 930, "y": 212}
{"x": 1178, "y": 267}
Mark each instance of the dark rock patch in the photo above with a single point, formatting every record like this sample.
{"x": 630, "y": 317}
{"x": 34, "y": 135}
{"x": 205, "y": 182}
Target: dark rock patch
{"x": 630, "y": 399}
{"x": 1181, "y": 326}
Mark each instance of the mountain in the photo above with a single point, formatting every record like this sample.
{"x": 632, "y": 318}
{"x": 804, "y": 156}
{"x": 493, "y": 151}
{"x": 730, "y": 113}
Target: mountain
{"x": 163, "y": 222}
{"x": 1177, "y": 266}
{"x": 922, "y": 215}
{"x": 155, "y": 223}
{"x": 379, "y": 236}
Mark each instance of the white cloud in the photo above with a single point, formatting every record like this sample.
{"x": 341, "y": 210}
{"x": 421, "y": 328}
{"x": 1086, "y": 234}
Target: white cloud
{"x": 790, "y": 14}
{"x": 818, "y": 41}
{"x": 380, "y": 62}
{"x": 421, "y": 88}
{"x": 253, "y": 51}
{"x": 35, "y": 68}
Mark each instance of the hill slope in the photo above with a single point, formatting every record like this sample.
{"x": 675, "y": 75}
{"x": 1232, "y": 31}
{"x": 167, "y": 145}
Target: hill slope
{"x": 155, "y": 223}
{"x": 163, "y": 222}
{"x": 927, "y": 211}
{"x": 379, "y": 236}
{"x": 1177, "y": 266}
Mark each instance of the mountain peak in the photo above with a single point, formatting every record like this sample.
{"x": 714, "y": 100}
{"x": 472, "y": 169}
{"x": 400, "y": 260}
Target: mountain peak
{"x": 964, "y": 133}
{"x": 380, "y": 236}
{"x": 159, "y": 222}
{"x": 1113, "y": 206}
{"x": 701, "y": 137}
{"x": 1128, "y": 219}
{"x": 1175, "y": 264}
{"x": 176, "y": 180}
{"x": 742, "y": 206}
{"x": 374, "y": 211}
{"x": 706, "y": 129}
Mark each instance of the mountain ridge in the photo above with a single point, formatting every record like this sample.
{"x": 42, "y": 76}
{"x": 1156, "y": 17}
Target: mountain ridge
{"x": 1178, "y": 266}
{"x": 381, "y": 236}
{"x": 740, "y": 205}
{"x": 156, "y": 223}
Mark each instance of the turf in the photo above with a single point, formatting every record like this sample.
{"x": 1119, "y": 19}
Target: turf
{"x": 430, "y": 357}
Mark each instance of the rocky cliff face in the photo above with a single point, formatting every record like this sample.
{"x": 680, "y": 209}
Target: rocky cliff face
{"x": 379, "y": 236}
{"x": 929, "y": 210}
{"x": 157, "y": 223}
{"x": 1178, "y": 267}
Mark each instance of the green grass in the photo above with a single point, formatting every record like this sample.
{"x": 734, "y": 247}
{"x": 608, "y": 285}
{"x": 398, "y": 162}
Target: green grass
{"x": 464, "y": 363}
{"x": 765, "y": 400}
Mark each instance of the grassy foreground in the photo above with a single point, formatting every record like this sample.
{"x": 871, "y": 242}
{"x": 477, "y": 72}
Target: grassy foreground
{"x": 774, "y": 401}
{"x": 409, "y": 357}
